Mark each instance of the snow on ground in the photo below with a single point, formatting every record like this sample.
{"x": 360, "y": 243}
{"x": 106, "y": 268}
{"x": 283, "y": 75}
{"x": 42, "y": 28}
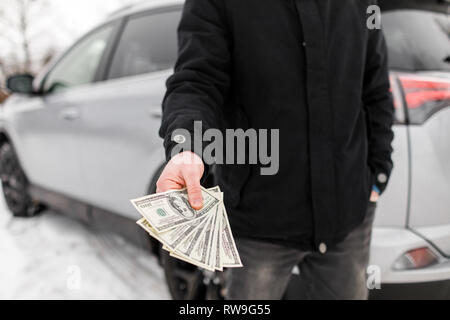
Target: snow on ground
{"x": 52, "y": 256}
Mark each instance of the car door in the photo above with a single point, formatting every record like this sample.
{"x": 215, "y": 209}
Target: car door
{"x": 48, "y": 127}
{"x": 120, "y": 147}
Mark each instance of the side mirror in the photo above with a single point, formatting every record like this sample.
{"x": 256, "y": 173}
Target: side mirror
{"x": 21, "y": 83}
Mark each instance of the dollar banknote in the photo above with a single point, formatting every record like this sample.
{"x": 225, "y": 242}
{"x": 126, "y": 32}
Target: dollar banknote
{"x": 228, "y": 252}
{"x": 168, "y": 210}
{"x": 199, "y": 237}
{"x": 170, "y": 239}
{"x": 195, "y": 249}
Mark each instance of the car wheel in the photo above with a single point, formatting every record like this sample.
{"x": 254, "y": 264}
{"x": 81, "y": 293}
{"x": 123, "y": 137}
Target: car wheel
{"x": 15, "y": 184}
{"x": 184, "y": 280}
{"x": 187, "y": 282}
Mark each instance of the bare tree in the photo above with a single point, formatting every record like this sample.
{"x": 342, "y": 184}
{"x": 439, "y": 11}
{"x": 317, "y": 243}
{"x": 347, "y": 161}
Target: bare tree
{"x": 23, "y": 11}
{"x": 18, "y": 18}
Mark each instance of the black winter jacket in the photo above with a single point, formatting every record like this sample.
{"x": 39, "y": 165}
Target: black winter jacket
{"x": 313, "y": 70}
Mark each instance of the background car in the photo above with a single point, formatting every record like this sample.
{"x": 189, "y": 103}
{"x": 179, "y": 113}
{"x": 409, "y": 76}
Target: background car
{"x": 82, "y": 138}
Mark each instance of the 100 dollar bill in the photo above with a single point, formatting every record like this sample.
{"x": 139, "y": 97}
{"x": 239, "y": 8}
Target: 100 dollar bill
{"x": 168, "y": 210}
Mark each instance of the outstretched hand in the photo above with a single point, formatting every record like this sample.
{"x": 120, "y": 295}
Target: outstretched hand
{"x": 184, "y": 171}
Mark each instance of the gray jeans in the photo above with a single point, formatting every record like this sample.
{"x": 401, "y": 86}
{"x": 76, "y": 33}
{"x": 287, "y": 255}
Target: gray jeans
{"x": 340, "y": 273}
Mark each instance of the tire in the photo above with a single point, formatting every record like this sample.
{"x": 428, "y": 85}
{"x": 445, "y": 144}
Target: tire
{"x": 15, "y": 184}
{"x": 187, "y": 282}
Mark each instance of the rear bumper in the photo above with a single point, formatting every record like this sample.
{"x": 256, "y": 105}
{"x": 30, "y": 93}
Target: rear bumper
{"x": 388, "y": 244}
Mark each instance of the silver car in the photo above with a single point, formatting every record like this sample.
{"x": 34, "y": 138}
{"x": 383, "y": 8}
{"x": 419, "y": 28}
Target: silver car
{"x": 82, "y": 138}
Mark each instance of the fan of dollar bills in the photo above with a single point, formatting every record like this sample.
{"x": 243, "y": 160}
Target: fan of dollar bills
{"x": 201, "y": 237}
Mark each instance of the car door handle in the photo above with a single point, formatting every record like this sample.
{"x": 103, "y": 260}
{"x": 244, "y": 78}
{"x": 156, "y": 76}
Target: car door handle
{"x": 70, "y": 114}
{"x": 157, "y": 114}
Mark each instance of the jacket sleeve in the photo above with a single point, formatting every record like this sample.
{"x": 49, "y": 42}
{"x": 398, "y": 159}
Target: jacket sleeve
{"x": 379, "y": 108}
{"x": 201, "y": 79}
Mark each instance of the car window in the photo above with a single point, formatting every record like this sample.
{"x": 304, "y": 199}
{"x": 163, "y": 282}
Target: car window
{"x": 80, "y": 64}
{"x": 148, "y": 43}
{"x": 417, "y": 40}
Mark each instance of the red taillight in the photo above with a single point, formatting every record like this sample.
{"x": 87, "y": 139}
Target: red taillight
{"x": 416, "y": 259}
{"x": 424, "y": 95}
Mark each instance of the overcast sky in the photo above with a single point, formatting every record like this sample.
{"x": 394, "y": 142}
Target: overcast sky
{"x": 55, "y": 24}
{"x": 78, "y": 16}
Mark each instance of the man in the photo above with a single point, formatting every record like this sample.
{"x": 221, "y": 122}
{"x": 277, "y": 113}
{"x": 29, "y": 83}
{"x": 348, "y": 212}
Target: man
{"x": 315, "y": 71}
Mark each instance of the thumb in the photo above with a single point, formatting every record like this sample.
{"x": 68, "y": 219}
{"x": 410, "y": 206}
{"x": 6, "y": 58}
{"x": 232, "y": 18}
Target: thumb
{"x": 194, "y": 192}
